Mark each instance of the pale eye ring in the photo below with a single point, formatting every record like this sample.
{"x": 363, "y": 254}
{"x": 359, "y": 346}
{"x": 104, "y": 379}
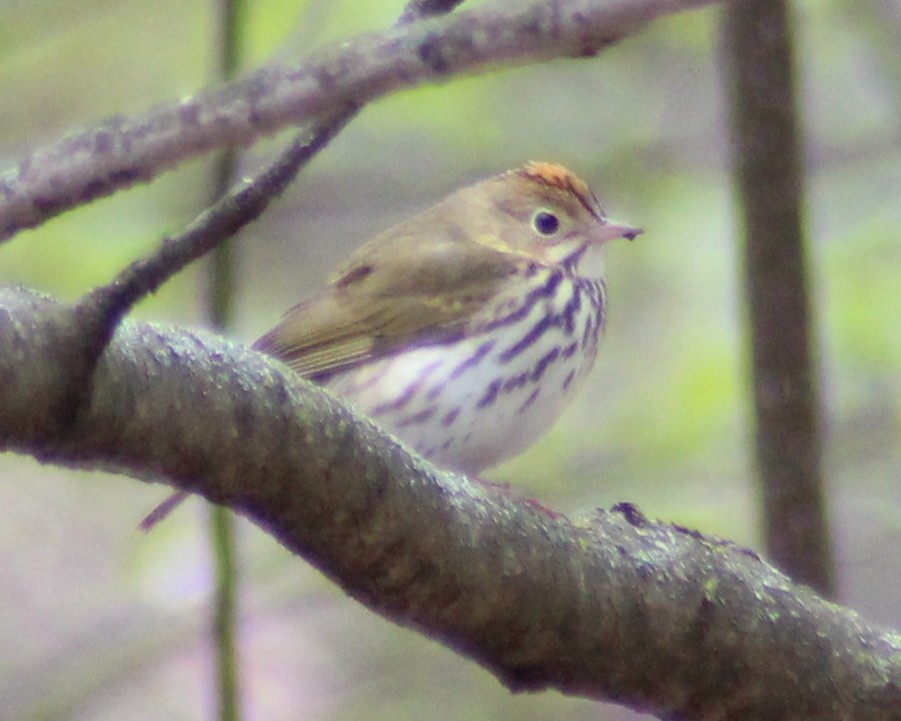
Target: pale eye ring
{"x": 544, "y": 222}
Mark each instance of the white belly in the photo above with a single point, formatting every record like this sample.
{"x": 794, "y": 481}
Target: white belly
{"x": 491, "y": 395}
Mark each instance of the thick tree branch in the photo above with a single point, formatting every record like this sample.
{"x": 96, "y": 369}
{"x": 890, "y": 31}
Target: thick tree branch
{"x": 612, "y": 606}
{"x": 123, "y": 151}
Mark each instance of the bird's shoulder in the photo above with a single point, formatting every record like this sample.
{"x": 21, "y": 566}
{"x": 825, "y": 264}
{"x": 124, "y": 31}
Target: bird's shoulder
{"x": 397, "y": 291}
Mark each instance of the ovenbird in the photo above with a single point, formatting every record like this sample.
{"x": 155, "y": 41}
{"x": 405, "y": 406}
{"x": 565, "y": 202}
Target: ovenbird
{"x": 466, "y": 329}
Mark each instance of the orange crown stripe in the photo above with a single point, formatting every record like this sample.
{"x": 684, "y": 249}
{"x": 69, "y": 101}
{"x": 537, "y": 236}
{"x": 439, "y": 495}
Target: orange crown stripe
{"x": 556, "y": 176}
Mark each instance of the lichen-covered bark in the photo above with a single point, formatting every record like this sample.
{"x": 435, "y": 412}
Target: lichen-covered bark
{"x": 611, "y": 606}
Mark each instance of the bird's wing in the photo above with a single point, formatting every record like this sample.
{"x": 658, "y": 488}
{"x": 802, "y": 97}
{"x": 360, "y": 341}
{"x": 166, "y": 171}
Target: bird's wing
{"x": 391, "y": 294}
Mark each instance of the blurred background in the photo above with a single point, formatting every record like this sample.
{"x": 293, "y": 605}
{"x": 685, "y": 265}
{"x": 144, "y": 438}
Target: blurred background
{"x": 98, "y": 621}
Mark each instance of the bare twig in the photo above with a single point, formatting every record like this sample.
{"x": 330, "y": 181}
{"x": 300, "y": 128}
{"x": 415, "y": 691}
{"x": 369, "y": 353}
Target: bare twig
{"x": 123, "y": 151}
{"x": 103, "y": 308}
{"x": 94, "y": 318}
{"x": 421, "y": 9}
{"x": 219, "y": 304}
{"x": 220, "y": 299}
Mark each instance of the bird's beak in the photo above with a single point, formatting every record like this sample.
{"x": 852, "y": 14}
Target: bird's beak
{"x": 610, "y": 230}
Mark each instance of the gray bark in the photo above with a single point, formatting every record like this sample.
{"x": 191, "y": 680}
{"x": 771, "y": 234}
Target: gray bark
{"x": 123, "y": 151}
{"x": 611, "y": 606}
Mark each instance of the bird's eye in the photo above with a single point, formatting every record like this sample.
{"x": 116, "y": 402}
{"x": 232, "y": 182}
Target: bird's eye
{"x": 545, "y": 222}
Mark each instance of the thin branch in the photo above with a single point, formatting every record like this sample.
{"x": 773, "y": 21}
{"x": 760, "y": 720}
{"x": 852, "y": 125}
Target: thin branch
{"x": 219, "y": 221}
{"x": 612, "y": 606}
{"x": 123, "y": 151}
{"x": 421, "y": 9}
{"x": 219, "y": 304}
{"x": 226, "y": 216}
{"x": 94, "y": 319}
{"x": 96, "y": 315}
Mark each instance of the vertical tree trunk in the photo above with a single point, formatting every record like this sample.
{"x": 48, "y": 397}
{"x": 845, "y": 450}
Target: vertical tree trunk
{"x": 231, "y": 20}
{"x": 768, "y": 170}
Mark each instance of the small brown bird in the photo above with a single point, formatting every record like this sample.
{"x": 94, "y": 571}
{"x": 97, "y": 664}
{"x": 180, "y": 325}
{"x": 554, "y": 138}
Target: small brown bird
{"x": 466, "y": 329}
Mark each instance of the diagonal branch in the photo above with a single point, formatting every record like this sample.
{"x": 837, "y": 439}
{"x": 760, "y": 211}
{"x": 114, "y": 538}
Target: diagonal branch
{"x": 100, "y": 311}
{"x": 123, "y": 151}
{"x": 612, "y": 606}
{"x": 94, "y": 318}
